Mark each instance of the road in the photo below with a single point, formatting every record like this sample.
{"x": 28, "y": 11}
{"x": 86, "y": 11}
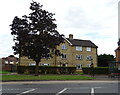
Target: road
{"x": 60, "y": 88}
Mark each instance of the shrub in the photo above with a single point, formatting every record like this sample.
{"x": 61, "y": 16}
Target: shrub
{"x": 46, "y": 70}
{"x": 97, "y": 70}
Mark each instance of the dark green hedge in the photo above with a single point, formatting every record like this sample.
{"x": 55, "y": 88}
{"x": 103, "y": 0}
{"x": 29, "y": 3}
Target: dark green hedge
{"x": 46, "y": 70}
{"x": 97, "y": 70}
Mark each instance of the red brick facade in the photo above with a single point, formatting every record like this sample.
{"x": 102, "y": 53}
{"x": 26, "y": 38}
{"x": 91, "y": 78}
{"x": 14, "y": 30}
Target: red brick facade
{"x": 9, "y": 63}
{"x": 117, "y": 51}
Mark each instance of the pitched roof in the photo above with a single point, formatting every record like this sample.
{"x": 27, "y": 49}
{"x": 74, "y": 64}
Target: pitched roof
{"x": 85, "y": 43}
{"x": 117, "y": 48}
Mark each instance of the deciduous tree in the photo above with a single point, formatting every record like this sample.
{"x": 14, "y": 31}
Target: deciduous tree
{"x": 35, "y": 35}
{"x": 105, "y": 59}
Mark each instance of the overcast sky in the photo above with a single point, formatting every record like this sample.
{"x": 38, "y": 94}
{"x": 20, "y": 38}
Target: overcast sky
{"x": 95, "y": 20}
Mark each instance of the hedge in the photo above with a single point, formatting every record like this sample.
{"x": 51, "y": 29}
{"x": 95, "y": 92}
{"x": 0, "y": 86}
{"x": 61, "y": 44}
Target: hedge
{"x": 97, "y": 70}
{"x": 46, "y": 70}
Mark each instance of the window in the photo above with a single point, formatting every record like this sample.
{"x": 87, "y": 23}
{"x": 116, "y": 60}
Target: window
{"x": 88, "y": 65}
{"x": 46, "y": 56}
{"x": 6, "y": 62}
{"x": 64, "y": 47}
{"x": 32, "y": 64}
{"x": 79, "y": 66}
{"x": 45, "y": 64}
{"x": 78, "y": 48}
{"x": 64, "y": 56}
{"x": 64, "y": 65}
{"x": 88, "y": 49}
{"x": 89, "y": 57}
{"x": 79, "y": 57}
{"x": 11, "y": 62}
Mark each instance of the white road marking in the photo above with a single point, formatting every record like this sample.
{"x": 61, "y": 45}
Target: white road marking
{"x": 92, "y": 91}
{"x": 61, "y": 91}
{"x": 84, "y": 87}
{"x": 26, "y": 92}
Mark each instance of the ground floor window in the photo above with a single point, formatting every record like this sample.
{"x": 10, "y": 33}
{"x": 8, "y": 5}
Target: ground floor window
{"x": 63, "y": 64}
{"x": 32, "y": 64}
{"x": 79, "y": 66}
{"x": 88, "y": 65}
{"x": 45, "y": 64}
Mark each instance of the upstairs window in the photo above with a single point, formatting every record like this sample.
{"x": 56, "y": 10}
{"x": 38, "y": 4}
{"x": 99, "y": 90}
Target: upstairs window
{"x": 79, "y": 57}
{"x": 88, "y": 49}
{"x": 89, "y": 57}
{"x": 78, "y": 48}
{"x": 64, "y": 47}
{"x": 64, "y": 56}
{"x": 46, "y": 56}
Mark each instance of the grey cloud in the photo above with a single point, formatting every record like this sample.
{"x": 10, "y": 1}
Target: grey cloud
{"x": 77, "y": 18}
{"x": 96, "y": 35}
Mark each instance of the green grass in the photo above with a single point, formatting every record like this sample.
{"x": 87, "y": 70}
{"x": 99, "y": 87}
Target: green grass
{"x": 4, "y": 72}
{"x": 81, "y": 73}
{"x": 44, "y": 77}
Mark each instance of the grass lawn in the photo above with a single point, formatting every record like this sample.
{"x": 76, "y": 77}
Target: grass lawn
{"x": 4, "y": 72}
{"x": 44, "y": 77}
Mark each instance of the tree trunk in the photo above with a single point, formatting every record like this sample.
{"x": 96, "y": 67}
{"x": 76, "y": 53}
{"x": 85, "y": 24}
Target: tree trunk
{"x": 37, "y": 69}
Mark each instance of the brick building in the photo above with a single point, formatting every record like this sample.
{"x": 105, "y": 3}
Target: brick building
{"x": 9, "y": 63}
{"x": 117, "y": 51}
{"x": 75, "y": 52}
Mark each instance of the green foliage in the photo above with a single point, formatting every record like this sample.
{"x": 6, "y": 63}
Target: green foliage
{"x": 46, "y": 70}
{"x": 4, "y": 72}
{"x": 97, "y": 70}
{"x": 105, "y": 59}
{"x": 35, "y": 35}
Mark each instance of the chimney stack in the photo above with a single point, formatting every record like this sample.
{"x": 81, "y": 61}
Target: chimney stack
{"x": 70, "y": 36}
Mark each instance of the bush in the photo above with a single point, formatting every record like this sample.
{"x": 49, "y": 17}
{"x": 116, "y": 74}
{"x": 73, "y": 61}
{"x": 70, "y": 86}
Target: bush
{"x": 46, "y": 70}
{"x": 97, "y": 70}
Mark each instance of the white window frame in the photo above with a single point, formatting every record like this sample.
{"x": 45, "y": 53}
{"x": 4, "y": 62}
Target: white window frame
{"x": 89, "y": 49}
{"x": 64, "y": 47}
{"x": 79, "y": 57}
{"x": 64, "y": 56}
{"x": 64, "y": 65}
{"x": 78, "y": 66}
{"x": 11, "y": 62}
{"x": 78, "y": 48}
{"x": 45, "y": 64}
{"x": 88, "y": 65}
{"x": 32, "y": 64}
{"x": 46, "y": 57}
{"x": 89, "y": 57}
{"x": 6, "y": 62}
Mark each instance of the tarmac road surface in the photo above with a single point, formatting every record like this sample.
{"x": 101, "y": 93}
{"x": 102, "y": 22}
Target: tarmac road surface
{"x": 61, "y": 88}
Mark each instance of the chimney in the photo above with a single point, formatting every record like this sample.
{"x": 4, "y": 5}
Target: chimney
{"x": 70, "y": 36}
